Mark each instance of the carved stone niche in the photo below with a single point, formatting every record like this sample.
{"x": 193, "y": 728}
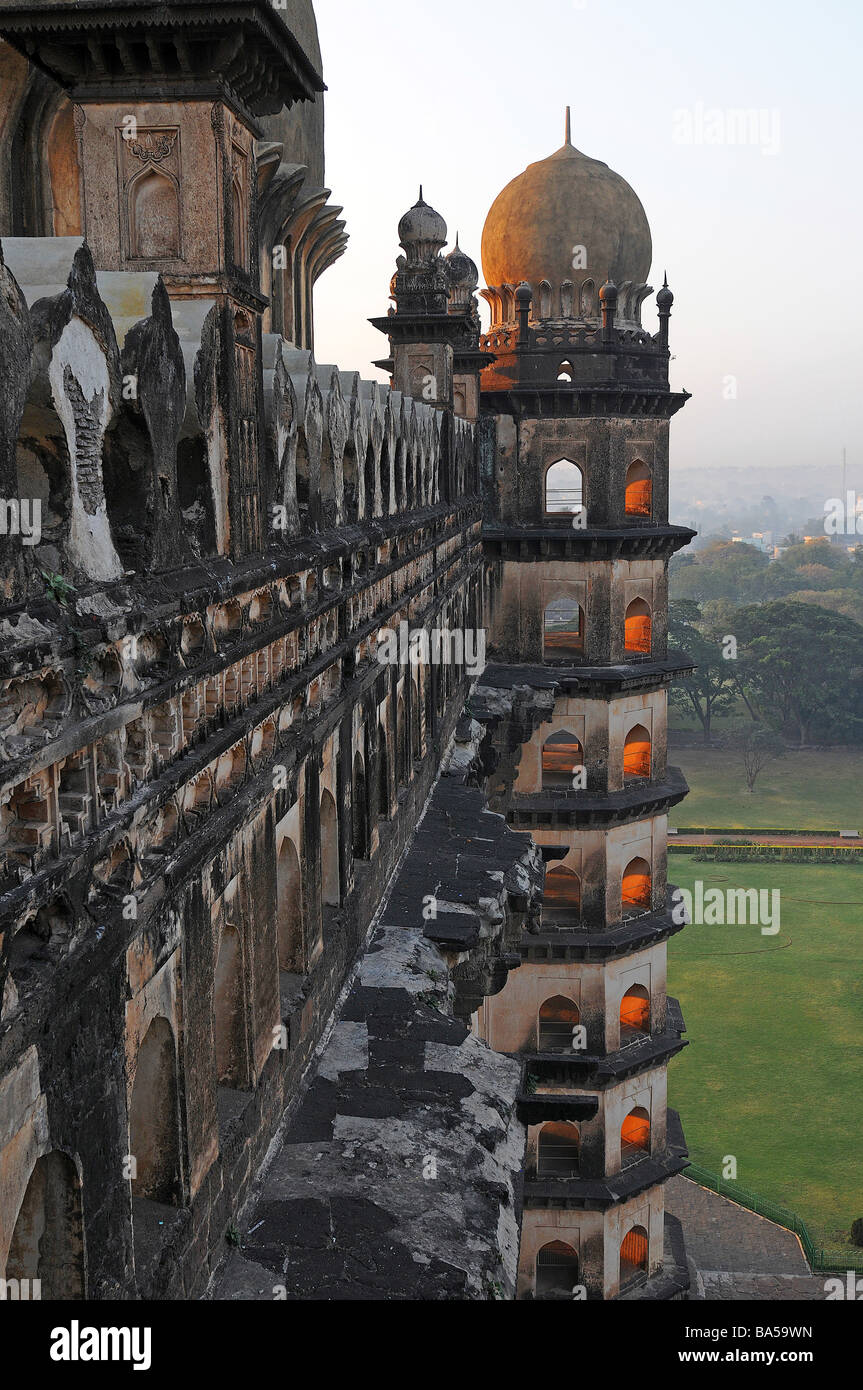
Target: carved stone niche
{"x": 148, "y": 164}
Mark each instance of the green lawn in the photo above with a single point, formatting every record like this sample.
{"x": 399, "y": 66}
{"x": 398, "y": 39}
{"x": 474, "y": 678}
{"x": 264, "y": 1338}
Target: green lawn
{"x": 774, "y": 1070}
{"x": 810, "y": 790}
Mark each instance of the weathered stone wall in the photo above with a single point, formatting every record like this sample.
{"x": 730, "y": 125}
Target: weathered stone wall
{"x": 603, "y": 591}
{"x": 208, "y": 776}
{"x": 604, "y": 449}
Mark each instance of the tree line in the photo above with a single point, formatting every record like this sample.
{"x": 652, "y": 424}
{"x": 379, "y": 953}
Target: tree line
{"x": 790, "y": 668}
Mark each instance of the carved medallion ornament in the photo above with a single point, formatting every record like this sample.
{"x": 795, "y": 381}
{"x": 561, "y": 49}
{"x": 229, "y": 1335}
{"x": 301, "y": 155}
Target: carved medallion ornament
{"x": 155, "y": 147}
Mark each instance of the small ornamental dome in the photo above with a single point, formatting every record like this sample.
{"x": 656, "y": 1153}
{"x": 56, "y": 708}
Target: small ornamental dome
{"x": 462, "y": 270}
{"x": 665, "y": 298}
{"x": 523, "y": 294}
{"x": 608, "y": 293}
{"x": 422, "y": 232}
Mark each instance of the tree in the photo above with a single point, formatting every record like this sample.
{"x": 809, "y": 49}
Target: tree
{"x": 755, "y": 746}
{"x": 845, "y": 601}
{"x": 731, "y": 570}
{"x": 708, "y": 691}
{"x": 802, "y": 666}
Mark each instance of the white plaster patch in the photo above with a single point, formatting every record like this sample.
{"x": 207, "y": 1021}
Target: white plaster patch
{"x": 99, "y": 605}
{"x": 403, "y": 960}
{"x": 347, "y": 1050}
{"x": 486, "y": 1070}
{"x": 90, "y": 545}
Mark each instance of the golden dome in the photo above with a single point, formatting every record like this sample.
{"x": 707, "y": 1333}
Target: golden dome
{"x": 568, "y": 221}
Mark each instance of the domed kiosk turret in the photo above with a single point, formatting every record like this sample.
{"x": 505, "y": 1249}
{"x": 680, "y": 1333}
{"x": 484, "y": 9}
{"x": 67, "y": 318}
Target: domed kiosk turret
{"x": 564, "y": 225}
{"x": 463, "y": 275}
{"x": 422, "y": 233}
{"x": 434, "y": 325}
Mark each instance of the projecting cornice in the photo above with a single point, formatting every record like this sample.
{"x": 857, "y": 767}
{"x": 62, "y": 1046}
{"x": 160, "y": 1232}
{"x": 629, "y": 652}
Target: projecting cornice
{"x": 574, "y": 402}
{"x": 554, "y": 542}
{"x": 598, "y": 1194}
{"x": 599, "y": 682}
{"x": 582, "y": 810}
{"x": 241, "y": 52}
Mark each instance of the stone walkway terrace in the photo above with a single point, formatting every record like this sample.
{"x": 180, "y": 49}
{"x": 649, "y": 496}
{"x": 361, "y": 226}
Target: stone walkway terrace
{"x": 739, "y": 1255}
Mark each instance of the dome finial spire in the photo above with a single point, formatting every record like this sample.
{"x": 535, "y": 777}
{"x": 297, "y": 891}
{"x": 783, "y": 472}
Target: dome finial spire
{"x": 568, "y": 135}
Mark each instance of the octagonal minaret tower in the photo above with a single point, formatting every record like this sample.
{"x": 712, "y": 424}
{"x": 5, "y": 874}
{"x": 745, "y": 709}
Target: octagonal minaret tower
{"x": 576, "y": 412}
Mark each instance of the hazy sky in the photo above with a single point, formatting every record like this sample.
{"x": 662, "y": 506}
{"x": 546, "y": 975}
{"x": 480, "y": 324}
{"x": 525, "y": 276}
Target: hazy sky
{"x": 763, "y": 249}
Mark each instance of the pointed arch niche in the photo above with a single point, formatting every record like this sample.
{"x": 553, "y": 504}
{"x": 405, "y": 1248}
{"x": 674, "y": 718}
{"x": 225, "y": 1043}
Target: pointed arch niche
{"x": 153, "y": 203}
{"x": 48, "y": 1238}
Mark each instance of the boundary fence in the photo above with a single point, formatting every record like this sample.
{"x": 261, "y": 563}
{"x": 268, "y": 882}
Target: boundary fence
{"x": 774, "y": 854}
{"x": 831, "y": 1261}
{"x": 753, "y": 830}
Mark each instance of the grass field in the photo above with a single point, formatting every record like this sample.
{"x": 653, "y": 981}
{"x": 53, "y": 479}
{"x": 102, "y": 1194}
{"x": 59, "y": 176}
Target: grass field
{"x": 810, "y": 790}
{"x": 774, "y": 1070}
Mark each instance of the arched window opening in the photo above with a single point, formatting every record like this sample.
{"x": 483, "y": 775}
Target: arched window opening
{"x": 557, "y": 1151}
{"x": 303, "y": 477}
{"x": 239, "y": 244}
{"x": 228, "y": 1019}
{"x": 401, "y": 742}
{"x": 564, "y": 489}
{"x": 416, "y": 719}
{"x": 639, "y": 490}
{"x": 369, "y": 480}
{"x": 383, "y": 778}
{"x": 638, "y": 627}
{"x": 634, "y": 1136}
{"x": 230, "y": 771}
{"x": 558, "y": 1019}
{"x": 153, "y": 1117}
{"x": 561, "y": 899}
{"x": 556, "y": 1271}
{"x": 634, "y": 1014}
{"x": 61, "y": 151}
{"x": 290, "y": 909}
{"x": 565, "y": 372}
{"x": 636, "y": 754}
{"x": 48, "y": 1238}
{"x": 330, "y": 890}
{"x": 564, "y": 630}
{"x": 350, "y": 483}
{"x": 386, "y": 472}
{"x": 360, "y": 811}
{"x": 633, "y": 1255}
{"x": 636, "y": 888}
{"x": 562, "y": 753}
